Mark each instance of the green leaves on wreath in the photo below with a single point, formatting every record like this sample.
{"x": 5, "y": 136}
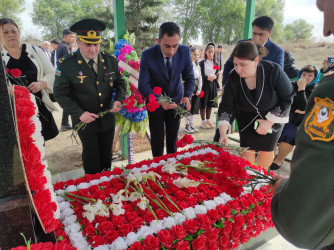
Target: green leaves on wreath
{"x": 126, "y": 126}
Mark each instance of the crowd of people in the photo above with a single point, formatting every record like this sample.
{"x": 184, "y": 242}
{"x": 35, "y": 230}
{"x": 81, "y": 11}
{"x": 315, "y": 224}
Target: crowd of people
{"x": 253, "y": 83}
{"x": 272, "y": 111}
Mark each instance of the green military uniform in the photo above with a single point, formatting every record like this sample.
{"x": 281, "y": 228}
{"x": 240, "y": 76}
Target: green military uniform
{"x": 78, "y": 89}
{"x": 303, "y": 205}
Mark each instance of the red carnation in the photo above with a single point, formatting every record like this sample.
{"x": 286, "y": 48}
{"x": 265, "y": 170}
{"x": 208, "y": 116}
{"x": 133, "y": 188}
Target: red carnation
{"x": 215, "y": 67}
{"x": 152, "y": 106}
{"x": 136, "y": 246}
{"x": 201, "y": 94}
{"x": 151, "y": 243}
{"x": 165, "y": 238}
{"x": 157, "y": 91}
{"x": 200, "y": 243}
{"x": 188, "y": 139}
{"x": 7, "y": 70}
{"x": 151, "y": 98}
{"x": 179, "y": 232}
{"x": 190, "y": 226}
{"x": 15, "y": 72}
{"x": 182, "y": 245}
{"x": 110, "y": 236}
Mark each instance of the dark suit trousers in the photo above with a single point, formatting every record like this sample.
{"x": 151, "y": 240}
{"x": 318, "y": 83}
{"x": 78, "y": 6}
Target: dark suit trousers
{"x": 158, "y": 120}
{"x": 96, "y": 149}
{"x": 64, "y": 119}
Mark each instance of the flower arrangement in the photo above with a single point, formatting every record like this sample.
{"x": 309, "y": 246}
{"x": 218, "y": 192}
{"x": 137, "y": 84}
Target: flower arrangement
{"x": 133, "y": 115}
{"x": 33, "y": 153}
{"x": 198, "y": 214}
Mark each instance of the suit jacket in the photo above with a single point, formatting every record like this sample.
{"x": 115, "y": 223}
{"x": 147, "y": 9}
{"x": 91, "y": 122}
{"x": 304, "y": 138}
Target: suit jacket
{"x": 54, "y": 58}
{"x": 153, "y": 73}
{"x": 77, "y": 89}
{"x": 275, "y": 54}
{"x": 62, "y": 50}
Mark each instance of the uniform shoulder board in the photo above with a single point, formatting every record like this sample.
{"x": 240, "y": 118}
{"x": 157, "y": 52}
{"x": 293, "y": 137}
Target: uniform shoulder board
{"x": 65, "y": 58}
{"x": 108, "y": 54}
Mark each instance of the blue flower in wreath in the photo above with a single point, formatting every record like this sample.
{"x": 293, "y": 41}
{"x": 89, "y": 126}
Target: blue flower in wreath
{"x": 123, "y": 111}
{"x": 116, "y": 52}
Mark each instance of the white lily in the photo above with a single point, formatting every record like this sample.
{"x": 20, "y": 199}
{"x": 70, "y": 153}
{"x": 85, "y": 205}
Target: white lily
{"x": 143, "y": 203}
{"x": 169, "y": 168}
{"x": 117, "y": 209}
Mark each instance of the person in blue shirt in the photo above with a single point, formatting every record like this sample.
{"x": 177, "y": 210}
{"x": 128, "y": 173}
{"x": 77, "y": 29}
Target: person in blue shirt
{"x": 262, "y": 30}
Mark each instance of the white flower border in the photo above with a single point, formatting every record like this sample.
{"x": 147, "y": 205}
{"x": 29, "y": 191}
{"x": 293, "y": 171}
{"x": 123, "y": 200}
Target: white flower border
{"x": 72, "y": 227}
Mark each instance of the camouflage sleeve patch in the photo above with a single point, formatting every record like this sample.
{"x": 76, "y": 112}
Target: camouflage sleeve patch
{"x": 319, "y": 124}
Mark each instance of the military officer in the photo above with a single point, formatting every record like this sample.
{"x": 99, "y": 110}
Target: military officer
{"x": 84, "y": 87}
{"x": 303, "y": 206}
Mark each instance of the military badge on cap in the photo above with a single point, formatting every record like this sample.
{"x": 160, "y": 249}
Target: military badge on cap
{"x": 319, "y": 124}
{"x": 89, "y": 30}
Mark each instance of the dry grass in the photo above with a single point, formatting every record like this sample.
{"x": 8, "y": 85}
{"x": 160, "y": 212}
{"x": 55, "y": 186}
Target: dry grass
{"x": 304, "y": 52}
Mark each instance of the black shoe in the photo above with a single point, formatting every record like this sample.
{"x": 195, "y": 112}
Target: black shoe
{"x": 274, "y": 166}
{"x": 65, "y": 127}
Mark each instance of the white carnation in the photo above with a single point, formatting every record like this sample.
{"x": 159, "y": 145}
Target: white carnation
{"x": 156, "y": 226}
{"x": 209, "y": 204}
{"x": 74, "y": 228}
{"x": 226, "y": 197}
{"x": 104, "y": 178}
{"x": 68, "y": 212}
{"x": 162, "y": 162}
{"x": 168, "y": 222}
{"x": 144, "y": 231}
{"x": 179, "y": 218}
{"x": 119, "y": 243}
{"x": 70, "y": 220}
{"x": 199, "y": 209}
{"x": 83, "y": 185}
{"x": 219, "y": 200}
{"x": 131, "y": 238}
{"x": 189, "y": 213}
{"x": 60, "y": 200}
{"x": 71, "y": 188}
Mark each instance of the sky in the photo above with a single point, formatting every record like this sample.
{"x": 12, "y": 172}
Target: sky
{"x": 294, "y": 9}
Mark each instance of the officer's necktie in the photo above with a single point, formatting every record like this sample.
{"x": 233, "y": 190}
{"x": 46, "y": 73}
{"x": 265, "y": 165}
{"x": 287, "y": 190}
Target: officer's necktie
{"x": 169, "y": 67}
{"x": 91, "y": 64}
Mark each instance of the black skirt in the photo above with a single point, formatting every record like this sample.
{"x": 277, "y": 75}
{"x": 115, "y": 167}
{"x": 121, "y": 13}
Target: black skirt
{"x": 251, "y": 139}
{"x": 210, "y": 94}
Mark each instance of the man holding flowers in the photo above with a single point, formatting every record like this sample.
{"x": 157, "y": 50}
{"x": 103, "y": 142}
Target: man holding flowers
{"x": 162, "y": 66}
{"x": 88, "y": 83}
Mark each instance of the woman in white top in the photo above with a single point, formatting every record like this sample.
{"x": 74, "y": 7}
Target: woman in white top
{"x": 190, "y": 128}
{"x": 37, "y": 72}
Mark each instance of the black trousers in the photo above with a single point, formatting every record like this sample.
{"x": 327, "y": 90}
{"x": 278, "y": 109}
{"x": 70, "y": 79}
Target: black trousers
{"x": 96, "y": 149}
{"x": 158, "y": 121}
{"x": 64, "y": 119}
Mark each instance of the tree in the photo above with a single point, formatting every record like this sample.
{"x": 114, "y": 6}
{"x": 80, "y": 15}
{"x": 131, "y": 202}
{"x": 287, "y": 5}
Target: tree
{"x": 10, "y": 8}
{"x": 186, "y": 14}
{"x": 56, "y": 15}
{"x": 298, "y": 30}
{"x": 275, "y": 10}
{"x": 142, "y": 20}
{"x": 221, "y": 21}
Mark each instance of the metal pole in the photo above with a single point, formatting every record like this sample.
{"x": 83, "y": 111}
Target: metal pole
{"x": 249, "y": 17}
